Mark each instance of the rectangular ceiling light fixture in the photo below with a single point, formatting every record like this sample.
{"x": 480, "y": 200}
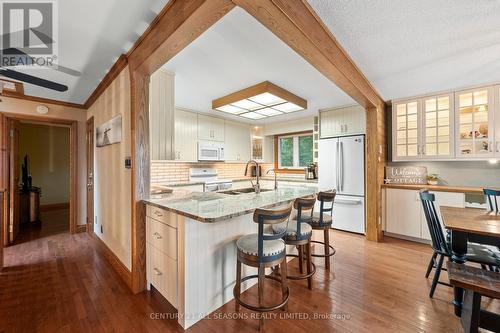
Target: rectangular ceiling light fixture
{"x": 260, "y": 101}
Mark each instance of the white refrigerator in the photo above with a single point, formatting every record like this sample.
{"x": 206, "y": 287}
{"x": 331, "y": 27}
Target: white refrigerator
{"x": 341, "y": 166}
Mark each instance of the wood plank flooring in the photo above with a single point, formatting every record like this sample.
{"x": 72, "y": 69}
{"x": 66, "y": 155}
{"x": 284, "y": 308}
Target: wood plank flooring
{"x": 62, "y": 283}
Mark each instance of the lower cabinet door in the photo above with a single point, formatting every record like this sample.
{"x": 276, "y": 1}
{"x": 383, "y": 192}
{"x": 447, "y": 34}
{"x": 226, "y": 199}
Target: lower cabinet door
{"x": 403, "y": 212}
{"x": 442, "y": 199}
{"x": 163, "y": 274}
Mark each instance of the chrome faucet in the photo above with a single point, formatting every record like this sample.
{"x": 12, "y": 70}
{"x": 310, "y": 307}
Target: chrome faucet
{"x": 275, "y": 180}
{"x": 255, "y": 186}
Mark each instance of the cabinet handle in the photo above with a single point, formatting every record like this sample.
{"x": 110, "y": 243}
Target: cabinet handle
{"x": 490, "y": 143}
{"x": 157, "y": 213}
{"x": 423, "y": 149}
{"x": 157, "y": 271}
{"x": 418, "y": 149}
{"x": 158, "y": 236}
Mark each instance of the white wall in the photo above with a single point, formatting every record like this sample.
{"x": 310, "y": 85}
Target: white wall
{"x": 112, "y": 181}
{"x": 15, "y": 106}
{"x": 48, "y": 149}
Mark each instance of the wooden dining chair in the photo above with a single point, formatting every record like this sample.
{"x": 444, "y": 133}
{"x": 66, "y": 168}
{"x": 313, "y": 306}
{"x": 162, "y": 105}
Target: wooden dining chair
{"x": 441, "y": 247}
{"x": 492, "y": 196}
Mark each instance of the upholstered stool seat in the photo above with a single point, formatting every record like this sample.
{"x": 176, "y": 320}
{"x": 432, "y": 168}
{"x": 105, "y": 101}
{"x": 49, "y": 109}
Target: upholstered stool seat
{"x": 323, "y": 221}
{"x": 315, "y": 222}
{"x": 249, "y": 244}
{"x": 291, "y": 230}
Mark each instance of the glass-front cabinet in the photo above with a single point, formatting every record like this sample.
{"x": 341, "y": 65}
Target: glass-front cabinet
{"x": 406, "y": 115}
{"x": 437, "y": 116}
{"x": 475, "y": 127}
{"x": 423, "y": 128}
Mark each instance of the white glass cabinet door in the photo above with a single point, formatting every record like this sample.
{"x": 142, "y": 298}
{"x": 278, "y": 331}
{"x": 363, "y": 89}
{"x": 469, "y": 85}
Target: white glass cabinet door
{"x": 437, "y": 135}
{"x": 406, "y": 127}
{"x": 474, "y": 123}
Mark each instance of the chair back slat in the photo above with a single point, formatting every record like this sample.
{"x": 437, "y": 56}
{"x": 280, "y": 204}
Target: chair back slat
{"x": 270, "y": 216}
{"x": 438, "y": 240}
{"x": 324, "y": 198}
{"x": 305, "y": 210}
{"x": 492, "y": 196}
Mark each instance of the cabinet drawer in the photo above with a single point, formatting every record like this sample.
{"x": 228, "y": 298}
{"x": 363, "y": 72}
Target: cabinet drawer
{"x": 162, "y": 215}
{"x": 162, "y": 237}
{"x": 163, "y": 275}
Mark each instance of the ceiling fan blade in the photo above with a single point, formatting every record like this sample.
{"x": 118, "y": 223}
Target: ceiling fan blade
{"x": 33, "y": 80}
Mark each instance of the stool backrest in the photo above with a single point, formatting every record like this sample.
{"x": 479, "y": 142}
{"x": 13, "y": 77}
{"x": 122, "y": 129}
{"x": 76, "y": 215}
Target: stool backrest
{"x": 305, "y": 210}
{"x": 270, "y": 216}
{"x": 325, "y": 197}
{"x": 438, "y": 240}
{"x": 492, "y": 196}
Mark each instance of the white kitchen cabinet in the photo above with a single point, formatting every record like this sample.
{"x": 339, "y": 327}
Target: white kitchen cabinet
{"x": 422, "y": 129}
{"x": 161, "y": 115}
{"x": 475, "y": 123}
{"x": 342, "y": 121}
{"x": 237, "y": 144}
{"x": 404, "y": 214}
{"x": 186, "y": 136}
{"x": 210, "y": 128}
{"x": 161, "y": 252}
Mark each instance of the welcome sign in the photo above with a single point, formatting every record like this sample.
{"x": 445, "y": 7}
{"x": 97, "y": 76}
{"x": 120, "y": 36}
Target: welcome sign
{"x": 406, "y": 175}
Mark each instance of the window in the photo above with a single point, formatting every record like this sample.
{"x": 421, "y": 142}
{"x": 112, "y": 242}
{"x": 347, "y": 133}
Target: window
{"x": 295, "y": 151}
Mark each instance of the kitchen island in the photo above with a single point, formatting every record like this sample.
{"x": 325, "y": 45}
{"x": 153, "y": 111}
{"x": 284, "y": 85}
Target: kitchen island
{"x": 191, "y": 244}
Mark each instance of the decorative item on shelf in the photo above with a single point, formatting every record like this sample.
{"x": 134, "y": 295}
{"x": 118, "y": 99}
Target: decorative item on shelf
{"x": 405, "y": 175}
{"x": 110, "y": 132}
{"x": 484, "y": 146}
{"x": 483, "y": 130}
{"x": 433, "y": 179}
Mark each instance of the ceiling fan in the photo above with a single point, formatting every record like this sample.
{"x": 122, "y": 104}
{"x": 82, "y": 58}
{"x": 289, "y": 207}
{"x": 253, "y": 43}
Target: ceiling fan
{"x": 12, "y": 74}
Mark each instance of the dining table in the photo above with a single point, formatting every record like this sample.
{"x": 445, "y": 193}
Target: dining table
{"x": 469, "y": 225}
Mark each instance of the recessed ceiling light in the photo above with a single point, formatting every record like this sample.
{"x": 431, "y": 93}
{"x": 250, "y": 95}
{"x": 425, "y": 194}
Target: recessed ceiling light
{"x": 269, "y": 112}
{"x": 255, "y": 102}
{"x": 231, "y": 109}
{"x": 253, "y": 115}
{"x": 247, "y": 104}
{"x": 287, "y": 107}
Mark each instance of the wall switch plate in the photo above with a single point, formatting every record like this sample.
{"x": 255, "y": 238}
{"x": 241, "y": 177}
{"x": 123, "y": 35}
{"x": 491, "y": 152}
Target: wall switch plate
{"x": 128, "y": 162}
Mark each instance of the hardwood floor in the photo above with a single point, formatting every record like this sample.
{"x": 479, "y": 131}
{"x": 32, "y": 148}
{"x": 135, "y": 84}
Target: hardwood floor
{"x": 61, "y": 283}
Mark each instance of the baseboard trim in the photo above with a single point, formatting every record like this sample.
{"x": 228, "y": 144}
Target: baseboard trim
{"x": 114, "y": 261}
{"x": 81, "y": 228}
{"x": 56, "y": 206}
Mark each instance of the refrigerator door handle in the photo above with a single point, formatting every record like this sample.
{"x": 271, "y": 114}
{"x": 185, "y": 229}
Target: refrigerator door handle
{"x": 341, "y": 168}
{"x": 348, "y": 201}
{"x": 337, "y": 167}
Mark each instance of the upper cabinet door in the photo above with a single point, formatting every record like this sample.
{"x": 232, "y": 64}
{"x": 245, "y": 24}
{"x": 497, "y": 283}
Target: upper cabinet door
{"x": 475, "y": 123}
{"x": 186, "y": 143}
{"x": 437, "y": 134}
{"x": 331, "y": 123}
{"x": 217, "y": 129}
{"x": 406, "y": 130}
{"x": 210, "y": 128}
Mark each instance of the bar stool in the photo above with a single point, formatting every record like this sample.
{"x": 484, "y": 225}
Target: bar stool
{"x": 263, "y": 251}
{"x": 322, "y": 221}
{"x": 298, "y": 232}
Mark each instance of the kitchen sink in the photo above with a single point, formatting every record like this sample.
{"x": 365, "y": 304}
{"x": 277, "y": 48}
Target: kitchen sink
{"x": 243, "y": 190}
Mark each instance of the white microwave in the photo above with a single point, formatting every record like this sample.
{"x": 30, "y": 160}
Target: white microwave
{"x": 210, "y": 151}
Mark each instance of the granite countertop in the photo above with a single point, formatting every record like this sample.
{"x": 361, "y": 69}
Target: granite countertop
{"x": 282, "y": 179}
{"x": 213, "y": 207}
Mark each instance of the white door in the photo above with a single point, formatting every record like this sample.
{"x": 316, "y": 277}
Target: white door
{"x": 352, "y": 165}
{"x": 327, "y": 164}
{"x": 349, "y": 214}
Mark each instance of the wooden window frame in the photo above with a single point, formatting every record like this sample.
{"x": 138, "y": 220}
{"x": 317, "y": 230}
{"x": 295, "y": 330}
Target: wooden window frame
{"x": 292, "y": 170}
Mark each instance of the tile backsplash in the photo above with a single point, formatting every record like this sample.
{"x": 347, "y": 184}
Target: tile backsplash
{"x": 164, "y": 172}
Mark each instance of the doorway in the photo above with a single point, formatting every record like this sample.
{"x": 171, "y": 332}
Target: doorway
{"x": 39, "y": 169}
{"x": 90, "y": 174}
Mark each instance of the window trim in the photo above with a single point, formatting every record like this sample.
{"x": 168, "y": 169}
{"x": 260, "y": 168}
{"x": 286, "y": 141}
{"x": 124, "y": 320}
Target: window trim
{"x": 277, "y": 149}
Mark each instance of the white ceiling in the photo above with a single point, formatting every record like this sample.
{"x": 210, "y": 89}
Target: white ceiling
{"x": 238, "y": 52}
{"x": 92, "y": 35}
{"x": 410, "y": 47}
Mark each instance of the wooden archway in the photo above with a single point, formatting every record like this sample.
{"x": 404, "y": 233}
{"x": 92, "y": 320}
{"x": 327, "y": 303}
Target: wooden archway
{"x": 294, "y": 22}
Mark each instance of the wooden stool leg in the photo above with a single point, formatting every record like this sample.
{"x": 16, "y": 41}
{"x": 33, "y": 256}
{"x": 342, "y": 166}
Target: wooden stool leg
{"x": 261, "y": 294}
{"x": 301, "y": 259}
{"x": 238, "y": 285}
{"x": 327, "y": 248}
{"x": 284, "y": 282}
{"x": 309, "y": 264}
